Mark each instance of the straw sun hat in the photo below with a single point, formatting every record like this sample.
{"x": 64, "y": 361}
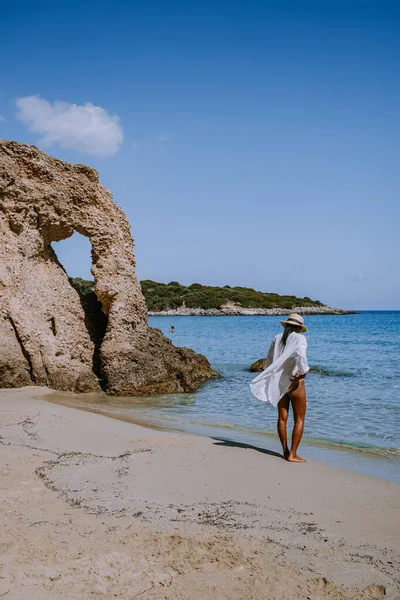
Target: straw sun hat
{"x": 296, "y": 320}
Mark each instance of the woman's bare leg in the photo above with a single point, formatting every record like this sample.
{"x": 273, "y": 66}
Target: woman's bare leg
{"x": 283, "y": 413}
{"x": 298, "y": 400}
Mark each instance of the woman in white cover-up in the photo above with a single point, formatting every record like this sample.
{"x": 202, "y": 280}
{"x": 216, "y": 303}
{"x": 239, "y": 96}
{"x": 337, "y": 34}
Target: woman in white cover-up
{"x": 282, "y": 382}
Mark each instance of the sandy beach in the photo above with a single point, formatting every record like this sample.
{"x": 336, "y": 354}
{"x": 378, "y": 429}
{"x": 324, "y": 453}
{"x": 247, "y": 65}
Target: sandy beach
{"x": 93, "y": 507}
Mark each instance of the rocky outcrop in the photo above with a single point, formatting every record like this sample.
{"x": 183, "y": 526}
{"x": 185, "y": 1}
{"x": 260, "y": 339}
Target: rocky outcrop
{"x": 51, "y": 335}
{"x": 259, "y": 365}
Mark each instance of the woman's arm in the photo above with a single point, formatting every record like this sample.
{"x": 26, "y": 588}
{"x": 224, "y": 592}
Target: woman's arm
{"x": 297, "y": 377}
{"x": 301, "y": 359}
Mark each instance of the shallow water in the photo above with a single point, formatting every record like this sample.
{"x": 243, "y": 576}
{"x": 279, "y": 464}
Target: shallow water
{"x": 353, "y": 391}
{"x": 353, "y": 415}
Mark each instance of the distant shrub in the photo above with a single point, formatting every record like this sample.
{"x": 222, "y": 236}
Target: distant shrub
{"x": 83, "y": 286}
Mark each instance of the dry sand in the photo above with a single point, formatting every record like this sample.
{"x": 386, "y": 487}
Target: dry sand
{"x": 92, "y": 507}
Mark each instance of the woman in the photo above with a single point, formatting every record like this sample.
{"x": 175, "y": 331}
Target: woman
{"x": 282, "y": 382}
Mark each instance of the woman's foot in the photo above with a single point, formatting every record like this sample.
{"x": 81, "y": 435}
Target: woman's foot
{"x": 294, "y": 458}
{"x": 286, "y": 453}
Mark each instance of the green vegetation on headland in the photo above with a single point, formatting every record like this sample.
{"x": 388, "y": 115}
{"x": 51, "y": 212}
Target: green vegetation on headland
{"x": 173, "y": 295}
{"x": 168, "y": 296}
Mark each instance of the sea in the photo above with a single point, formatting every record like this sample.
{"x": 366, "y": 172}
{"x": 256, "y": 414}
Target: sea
{"x": 353, "y": 389}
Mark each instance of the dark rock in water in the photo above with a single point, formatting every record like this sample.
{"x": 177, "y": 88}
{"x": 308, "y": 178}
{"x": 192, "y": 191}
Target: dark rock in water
{"x": 50, "y": 334}
{"x": 330, "y": 372}
{"x": 258, "y": 366}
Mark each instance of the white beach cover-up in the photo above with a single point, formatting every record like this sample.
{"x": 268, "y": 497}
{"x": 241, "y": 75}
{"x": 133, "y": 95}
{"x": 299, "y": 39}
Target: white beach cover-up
{"x": 282, "y": 363}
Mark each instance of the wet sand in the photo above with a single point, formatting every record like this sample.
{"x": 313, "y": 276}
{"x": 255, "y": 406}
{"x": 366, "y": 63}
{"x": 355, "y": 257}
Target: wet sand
{"x": 148, "y": 411}
{"x": 93, "y": 507}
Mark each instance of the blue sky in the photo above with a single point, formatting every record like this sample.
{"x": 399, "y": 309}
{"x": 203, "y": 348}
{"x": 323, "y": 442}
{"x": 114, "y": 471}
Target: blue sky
{"x": 249, "y": 142}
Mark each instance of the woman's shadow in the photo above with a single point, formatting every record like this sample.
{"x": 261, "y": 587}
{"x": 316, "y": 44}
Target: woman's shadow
{"x": 230, "y": 443}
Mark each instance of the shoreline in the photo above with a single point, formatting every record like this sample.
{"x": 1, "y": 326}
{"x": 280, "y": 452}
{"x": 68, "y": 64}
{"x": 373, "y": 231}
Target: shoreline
{"x": 373, "y": 461}
{"x": 230, "y": 311}
{"x": 98, "y": 505}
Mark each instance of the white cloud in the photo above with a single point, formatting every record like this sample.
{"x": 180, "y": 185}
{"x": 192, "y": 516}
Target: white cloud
{"x": 164, "y": 138}
{"x": 87, "y": 128}
{"x": 2, "y": 118}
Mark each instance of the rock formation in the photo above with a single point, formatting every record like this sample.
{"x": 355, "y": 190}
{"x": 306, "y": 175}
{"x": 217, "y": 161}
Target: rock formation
{"x": 46, "y": 327}
{"x": 259, "y": 366}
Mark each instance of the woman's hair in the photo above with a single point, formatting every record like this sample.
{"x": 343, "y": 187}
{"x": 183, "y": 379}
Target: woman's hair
{"x": 288, "y": 330}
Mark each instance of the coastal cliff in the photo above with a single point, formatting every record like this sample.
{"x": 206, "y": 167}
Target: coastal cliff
{"x": 51, "y": 336}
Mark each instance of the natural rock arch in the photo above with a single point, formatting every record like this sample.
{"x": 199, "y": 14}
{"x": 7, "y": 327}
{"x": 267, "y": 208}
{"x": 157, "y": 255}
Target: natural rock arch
{"x": 42, "y": 320}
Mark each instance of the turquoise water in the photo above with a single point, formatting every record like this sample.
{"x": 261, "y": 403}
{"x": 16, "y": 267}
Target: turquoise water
{"x": 353, "y": 391}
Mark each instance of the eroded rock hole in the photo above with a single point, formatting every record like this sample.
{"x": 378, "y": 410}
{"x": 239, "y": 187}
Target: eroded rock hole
{"x": 74, "y": 255}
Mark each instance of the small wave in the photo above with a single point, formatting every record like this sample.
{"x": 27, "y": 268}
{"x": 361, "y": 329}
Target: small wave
{"x": 321, "y": 442}
{"x": 368, "y": 449}
{"x": 153, "y": 420}
{"x": 329, "y": 372}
